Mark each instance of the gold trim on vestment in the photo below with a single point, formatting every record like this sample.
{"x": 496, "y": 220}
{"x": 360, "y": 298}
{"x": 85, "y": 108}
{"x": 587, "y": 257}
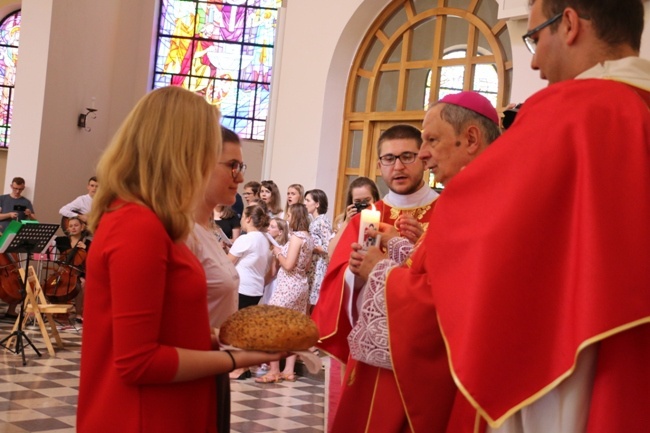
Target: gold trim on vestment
{"x": 545, "y": 390}
{"x": 336, "y": 328}
{"x": 417, "y": 212}
{"x": 408, "y": 262}
{"x": 372, "y": 403}
{"x": 390, "y": 348}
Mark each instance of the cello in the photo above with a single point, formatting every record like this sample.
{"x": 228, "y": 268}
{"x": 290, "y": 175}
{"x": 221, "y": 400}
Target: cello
{"x": 10, "y": 280}
{"x": 65, "y": 283}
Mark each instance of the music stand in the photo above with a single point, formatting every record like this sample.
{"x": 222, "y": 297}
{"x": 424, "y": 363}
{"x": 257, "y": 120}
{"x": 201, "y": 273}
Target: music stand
{"x": 28, "y": 237}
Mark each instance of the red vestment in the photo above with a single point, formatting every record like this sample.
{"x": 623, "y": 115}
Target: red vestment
{"x": 371, "y": 399}
{"x": 545, "y": 251}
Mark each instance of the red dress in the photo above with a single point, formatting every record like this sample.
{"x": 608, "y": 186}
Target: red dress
{"x": 145, "y": 295}
{"x": 545, "y": 251}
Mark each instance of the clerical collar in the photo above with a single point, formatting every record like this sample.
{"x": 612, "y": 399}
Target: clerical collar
{"x": 629, "y": 70}
{"x": 421, "y": 197}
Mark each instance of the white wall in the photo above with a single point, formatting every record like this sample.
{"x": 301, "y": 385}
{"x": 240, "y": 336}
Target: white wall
{"x": 305, "y": 142}
{"x": 70, "y": 52}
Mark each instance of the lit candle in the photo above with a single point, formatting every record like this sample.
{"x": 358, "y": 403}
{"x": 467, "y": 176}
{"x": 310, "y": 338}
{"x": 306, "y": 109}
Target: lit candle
{"x": 369, "y": 220}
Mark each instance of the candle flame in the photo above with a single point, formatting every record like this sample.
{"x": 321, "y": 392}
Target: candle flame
{"x": 373, "y": 206}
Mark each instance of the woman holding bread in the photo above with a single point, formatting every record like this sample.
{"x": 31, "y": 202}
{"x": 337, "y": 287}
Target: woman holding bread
{"x": 221, "y": 275}
{"x": 292, "y": 286}
{"x": 149, "y": 357}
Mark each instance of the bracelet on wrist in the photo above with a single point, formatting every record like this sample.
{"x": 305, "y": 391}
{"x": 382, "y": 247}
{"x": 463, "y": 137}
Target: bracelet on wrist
{"x": 232, "y": 358}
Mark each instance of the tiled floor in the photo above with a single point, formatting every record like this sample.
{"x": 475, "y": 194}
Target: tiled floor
{"x": 42, "y": 396}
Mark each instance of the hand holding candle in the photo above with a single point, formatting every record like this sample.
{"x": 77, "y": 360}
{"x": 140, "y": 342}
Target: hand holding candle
{"x": 369, "y": 220}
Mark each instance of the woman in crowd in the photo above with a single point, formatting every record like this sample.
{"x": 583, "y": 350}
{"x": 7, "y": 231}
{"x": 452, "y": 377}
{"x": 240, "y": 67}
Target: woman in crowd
{"x": 292, "y": 287}
{"x": 149, "y": 354}
{"x": 295, "y": 194}
{"x": 227, "y": 220}
{"x": 279, "y": 230}
{"x": 251, "y": 192}
{"x": 221, "y": 275}
{"x": 270, "y": 194}
{"x": 362, "y": 192}
{"x": 321, "y": 232}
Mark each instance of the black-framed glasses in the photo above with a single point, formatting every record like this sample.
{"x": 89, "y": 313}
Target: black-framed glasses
{"x": 531, "y": 43}
{"x": 405, "y": 157}
{"x": 236, "y": 167}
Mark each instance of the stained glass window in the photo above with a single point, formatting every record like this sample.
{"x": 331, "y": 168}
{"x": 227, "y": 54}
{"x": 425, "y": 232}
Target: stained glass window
{"x": 223, "y": 50}
{"x": 9, "y": 37}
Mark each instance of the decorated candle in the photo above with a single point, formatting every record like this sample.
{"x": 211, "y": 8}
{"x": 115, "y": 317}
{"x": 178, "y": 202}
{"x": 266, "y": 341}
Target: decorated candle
{"x": 369, "y": 220}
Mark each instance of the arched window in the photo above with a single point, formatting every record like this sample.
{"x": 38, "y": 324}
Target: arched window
{"x": 415, "y": 52}
{"x": 223, "y": 50}
{"x": 9, "y": 38}
{"x": 486, "y": 79}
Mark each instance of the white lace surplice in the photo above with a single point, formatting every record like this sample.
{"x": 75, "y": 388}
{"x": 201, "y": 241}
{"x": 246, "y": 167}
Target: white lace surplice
{"x": 369, "y": 337}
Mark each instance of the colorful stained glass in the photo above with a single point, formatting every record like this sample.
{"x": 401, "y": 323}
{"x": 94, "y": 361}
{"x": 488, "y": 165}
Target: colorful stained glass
{"x": 9, "y": 38}
{"x": 223, "y": 50}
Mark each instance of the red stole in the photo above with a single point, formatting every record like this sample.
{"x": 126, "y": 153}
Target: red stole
{"x": 545, "y": 250}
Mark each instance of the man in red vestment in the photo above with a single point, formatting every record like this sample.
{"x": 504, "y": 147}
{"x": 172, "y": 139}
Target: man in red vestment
{"x": 407, "y": 206}
{"x": 397, "y": 334}
{"x": 540, "y": 278}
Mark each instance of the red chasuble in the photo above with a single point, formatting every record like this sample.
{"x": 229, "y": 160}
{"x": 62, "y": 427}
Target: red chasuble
{"x": 545, "y": 251}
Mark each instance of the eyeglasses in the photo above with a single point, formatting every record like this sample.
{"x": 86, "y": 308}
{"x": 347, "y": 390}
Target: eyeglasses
{"x": 18, "y": 188}
{"x": 404, "y": 157}
{"x": 531, "y": 43}
{"x": 236, "y": 167}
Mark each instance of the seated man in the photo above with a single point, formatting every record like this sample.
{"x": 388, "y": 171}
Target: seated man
{"x": 80, "y": 206}
{"x": 14, "y": 206}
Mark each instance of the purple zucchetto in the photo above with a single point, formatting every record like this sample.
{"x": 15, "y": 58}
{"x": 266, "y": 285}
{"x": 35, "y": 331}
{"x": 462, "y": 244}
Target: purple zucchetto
{"x": 473, "y": 101}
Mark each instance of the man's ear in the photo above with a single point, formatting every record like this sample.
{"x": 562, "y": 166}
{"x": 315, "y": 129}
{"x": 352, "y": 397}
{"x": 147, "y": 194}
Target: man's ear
{"x": 472, "y": 135}
{"x": 570, "y": 25}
